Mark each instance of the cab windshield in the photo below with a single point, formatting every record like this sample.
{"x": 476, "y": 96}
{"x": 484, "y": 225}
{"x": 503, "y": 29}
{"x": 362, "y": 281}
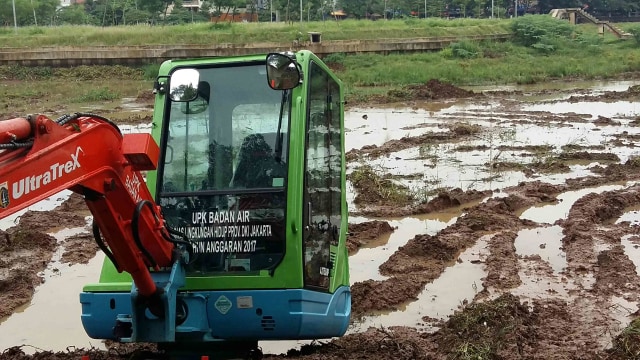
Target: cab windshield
{"x": 224, "y": 172}
{"x": 227, "y": 137}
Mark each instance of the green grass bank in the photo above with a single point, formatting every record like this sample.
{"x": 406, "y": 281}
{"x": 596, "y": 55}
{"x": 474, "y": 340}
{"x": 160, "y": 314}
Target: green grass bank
{"x": 542, "y": 49}
{"x": 244, "y": 33}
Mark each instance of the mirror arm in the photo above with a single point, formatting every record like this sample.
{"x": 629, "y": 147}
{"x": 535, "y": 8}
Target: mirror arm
{"x": 159, "y": 87}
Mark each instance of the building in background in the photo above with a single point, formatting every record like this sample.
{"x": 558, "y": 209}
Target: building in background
{"x": 64, "y": 3}
{"x": 192, "y": 5}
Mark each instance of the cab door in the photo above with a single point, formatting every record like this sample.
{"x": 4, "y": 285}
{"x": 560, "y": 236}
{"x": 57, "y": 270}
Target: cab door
{"x": 323, "y": 165}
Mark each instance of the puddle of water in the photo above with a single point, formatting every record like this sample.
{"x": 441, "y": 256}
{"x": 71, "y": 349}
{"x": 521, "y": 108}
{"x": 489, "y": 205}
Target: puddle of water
{"x": 551, "y": 213}
{"x": 443, "y": 166}
{"x": 37, "y": 325}
{"x": 632, "y": 250}
{"x": 382, "y": 125}
{"x": 465, "y": 170}
{"x": 441, "y": 298}
{"x": 365, "y": 264}
{"x": 132, "y": 105}
{"x": 540, "y": 284}
{"x": 279, "y": 347}
{"x": 44, "y": 205}
{"x": 595, "y": 86}
{"x": 451, "y": 168}
{"x": 379, "y": 242}
{"x": 543, "y": 241}
{"x": 621, "y": 310}
{"x": 632, "y": 215}
{"x": 608, "y": 109}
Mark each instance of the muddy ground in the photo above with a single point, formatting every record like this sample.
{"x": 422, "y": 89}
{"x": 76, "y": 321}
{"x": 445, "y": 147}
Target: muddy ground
{"x": 524, "y": 308}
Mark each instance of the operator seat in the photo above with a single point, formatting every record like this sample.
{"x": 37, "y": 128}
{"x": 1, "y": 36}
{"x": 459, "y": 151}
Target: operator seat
{"x": 257, "y": 166}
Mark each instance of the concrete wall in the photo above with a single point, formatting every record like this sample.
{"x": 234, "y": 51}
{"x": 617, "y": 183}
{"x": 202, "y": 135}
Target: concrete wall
{"x": 136, "y": 55}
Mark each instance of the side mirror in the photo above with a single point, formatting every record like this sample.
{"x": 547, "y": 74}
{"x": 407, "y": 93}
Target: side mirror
{"x": 184, "y": 85}
{"x": 283, "y": 72}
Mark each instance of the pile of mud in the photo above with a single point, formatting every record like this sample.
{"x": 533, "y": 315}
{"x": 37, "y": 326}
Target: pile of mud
{"x": 433, "y": 89}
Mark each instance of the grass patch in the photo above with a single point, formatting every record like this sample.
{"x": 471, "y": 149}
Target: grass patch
{"x": 465, "y": 129}
{"x": 481, "y": 330}
{"x": 376, "y": 189}
{"x": 96, "y": 95}
{"x": 16, "y": 72}
{"x": 242, "y": 33}
{"x": 55, "y": 96}
{"x": 26, "y": 94}
{"x": 627, "y": 344}
{"x": 366, "y": 77}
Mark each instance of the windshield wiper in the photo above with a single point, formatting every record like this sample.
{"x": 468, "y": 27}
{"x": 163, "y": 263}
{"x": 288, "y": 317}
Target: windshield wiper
{"x": 279, "y": 135}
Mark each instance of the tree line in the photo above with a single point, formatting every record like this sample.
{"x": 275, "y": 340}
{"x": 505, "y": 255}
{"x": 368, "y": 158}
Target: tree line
{"x": 123, "y": 12}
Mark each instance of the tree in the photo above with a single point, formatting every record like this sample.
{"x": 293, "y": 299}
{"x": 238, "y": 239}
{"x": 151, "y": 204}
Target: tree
{"x": 28, "y": 12}
{"x": 73, "y": 15}
{"x": 252, "y": 8}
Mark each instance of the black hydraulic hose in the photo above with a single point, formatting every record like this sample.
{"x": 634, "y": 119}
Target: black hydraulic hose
{"x": 135, "y": 230}
{"x": 177, "y": 233}
{"x": 66, "y": 118}
{"x": 15, "y": 145}
{"x": 63, "y": 119}
{"x": 188, "y": 245}
{"x": 102, "y": 245}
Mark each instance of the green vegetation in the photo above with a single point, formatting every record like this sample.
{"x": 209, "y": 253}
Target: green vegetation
{"x": 241, "y": 33}
{"x": 117, "y": 13}
{"x": 375, "y": 188}
{"x": 465, "y": 50}
{"x": 481, "y": 330}
{"x": 544, "y": 49}
{"x": 627, "y": 344}
{"x": 53, "y": 96}
{"x": 533, "y": 30}
{"x": 635, "y": 31}
{"x": 78, "y": 73}
{"x": 96, "y": 95}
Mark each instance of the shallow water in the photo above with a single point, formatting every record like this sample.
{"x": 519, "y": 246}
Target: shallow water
{"x": 439, "y": 299}
{"x": 443, "y": 167}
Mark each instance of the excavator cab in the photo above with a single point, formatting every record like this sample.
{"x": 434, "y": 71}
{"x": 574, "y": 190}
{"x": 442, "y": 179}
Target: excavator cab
{"x": 251, "y": 173}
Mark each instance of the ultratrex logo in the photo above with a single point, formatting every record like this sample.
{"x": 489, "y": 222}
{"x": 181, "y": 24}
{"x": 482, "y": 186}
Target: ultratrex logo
{"x": 55, "y": 172}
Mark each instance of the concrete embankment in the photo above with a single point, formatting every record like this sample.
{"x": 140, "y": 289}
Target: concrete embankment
{"x": 136, "y": 55}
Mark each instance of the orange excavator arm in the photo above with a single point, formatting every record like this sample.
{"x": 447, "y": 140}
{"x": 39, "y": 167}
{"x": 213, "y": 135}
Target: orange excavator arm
{"x": 87, "y": 154}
